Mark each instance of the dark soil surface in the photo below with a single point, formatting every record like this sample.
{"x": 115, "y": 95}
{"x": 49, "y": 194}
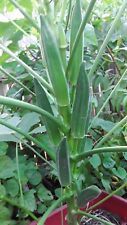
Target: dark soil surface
{"x": 102, "y": 214}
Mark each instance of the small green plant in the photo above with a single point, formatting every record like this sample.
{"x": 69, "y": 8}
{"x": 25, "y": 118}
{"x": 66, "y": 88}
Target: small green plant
{"x": 63, "y": 101}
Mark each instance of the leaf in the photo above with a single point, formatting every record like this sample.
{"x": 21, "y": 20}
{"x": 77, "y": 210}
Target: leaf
{"x": 7, "y": 134}
{"x": 54, "y": 63}
{"x": 2, "y": 191}
{"x": 95, "y": 161}
{"x": 34, "y": 177}
{"x": 28, "y": 121}
{"x": 30, "y": 201}
{"x": 106, "y": 184}
{"x": 44, "y": 194}
{"x": 108, "y": 162}
{"x": 78, "y": 55}
{"x": 12, "y": 187}
{"x": 63, "y": 163}
{"x": 104, "y": 124}
{"x": 119, "y": 172}
{"x": 3, "y": 148}
{"x": 90, "y": 36}
{"x": 7, "y": 167}
{"x": 87, "y": 195}
{"x": 81, "y": 105}
{"x": 43, "y": 102}
{"x": 62, "y": 44}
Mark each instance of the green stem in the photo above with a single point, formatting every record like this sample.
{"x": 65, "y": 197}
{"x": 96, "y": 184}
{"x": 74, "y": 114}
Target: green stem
{"x": 93, "y": 217}
{"x": 51, "y": 208}
{"x": 13, "y": 203}
{"x": 64, "y": 6}
{"x": 107, "y": 197}
{"x": 18, "y": 173}
{"x": 68, "y": 16}
{"x": 45, "y": 148}
{"x": 24, "y": 105}
{"x": 30, "y": 71}
{"x": 108, "y": 135}
{"x": 16, "y": 81}
{"x": 80, "y": 31}
{"x": 107, "y": 100}
{"x": 26, "y": 15}
{"x": 108, "y": 36}
{"x": 99, "y": 151}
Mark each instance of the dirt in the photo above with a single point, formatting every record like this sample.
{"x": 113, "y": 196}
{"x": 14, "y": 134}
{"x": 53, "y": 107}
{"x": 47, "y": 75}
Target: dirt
{"x": 102, "y": 214}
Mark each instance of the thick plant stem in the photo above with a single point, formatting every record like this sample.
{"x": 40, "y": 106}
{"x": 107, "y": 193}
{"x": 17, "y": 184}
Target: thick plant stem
{"x": 49, "y": 151}
{"x": 99, "y": 151}
{"x": 110, "y": 32}
{"x": 80, "y": 31}
{"x": 72, "y": 219}
{"x": 26, "y": 15}
{"x": 30, "y": 71}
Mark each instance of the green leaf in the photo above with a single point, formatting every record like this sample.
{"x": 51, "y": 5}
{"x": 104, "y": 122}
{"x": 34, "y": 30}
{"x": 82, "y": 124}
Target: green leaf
{"x": 104, "y": 124}
{"x": 119, "y": 172}
{"x": 106, "y": 184}
{"x": 28, "y": 121}
{"x": 30, "y": 201}
{"x": 2, "y": 191}
{"x": 44, "y": 194}
{"x": 43, "y": 102}
{"x": 90, "y": 36}
{"x": 54, "y": 63}
{"x": 3, "y": 148}
{"x": 108, "y": 162}
{"x": 34, "y": 177}
{"x": 12, "y": 187}
{"x": 81, "y": 105}
{"x": 95, "y": 161}
{"x": 62, "y": 44}
{"x": 77, "y": 59}
{"x": 87, "y": 195}
{"x": 63, "y": 163}
{"x": 7, "y": 167}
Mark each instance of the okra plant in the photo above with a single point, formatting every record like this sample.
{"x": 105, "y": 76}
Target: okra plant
{"x": 64, "y": 102}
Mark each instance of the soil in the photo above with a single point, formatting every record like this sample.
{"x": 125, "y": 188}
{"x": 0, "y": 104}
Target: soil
{"x": 103, "y": 214}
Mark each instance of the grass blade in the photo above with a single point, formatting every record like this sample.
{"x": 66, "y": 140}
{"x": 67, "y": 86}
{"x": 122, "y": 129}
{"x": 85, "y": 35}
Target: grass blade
{"x": 80, "y": 107}
{"x": 54, "y": 63}
{"x": 43, "y": 102}
{"x": 77, "y": 59}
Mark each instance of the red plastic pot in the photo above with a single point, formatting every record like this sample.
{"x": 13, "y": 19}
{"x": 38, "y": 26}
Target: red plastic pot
{"x": 116, "y": 205}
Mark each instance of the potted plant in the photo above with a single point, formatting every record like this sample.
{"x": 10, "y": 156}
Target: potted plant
{"x": 69, "y": 90}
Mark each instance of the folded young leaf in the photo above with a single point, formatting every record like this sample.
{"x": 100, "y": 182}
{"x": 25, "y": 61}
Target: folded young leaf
{"x": 43, "y": 102}
{"x": 54, "y": 63}
{"x": 63, "y": 163}
{"x": 87, "y": 195}
{"x": 77, "y": 59}
{"x": 80, "y": 107}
